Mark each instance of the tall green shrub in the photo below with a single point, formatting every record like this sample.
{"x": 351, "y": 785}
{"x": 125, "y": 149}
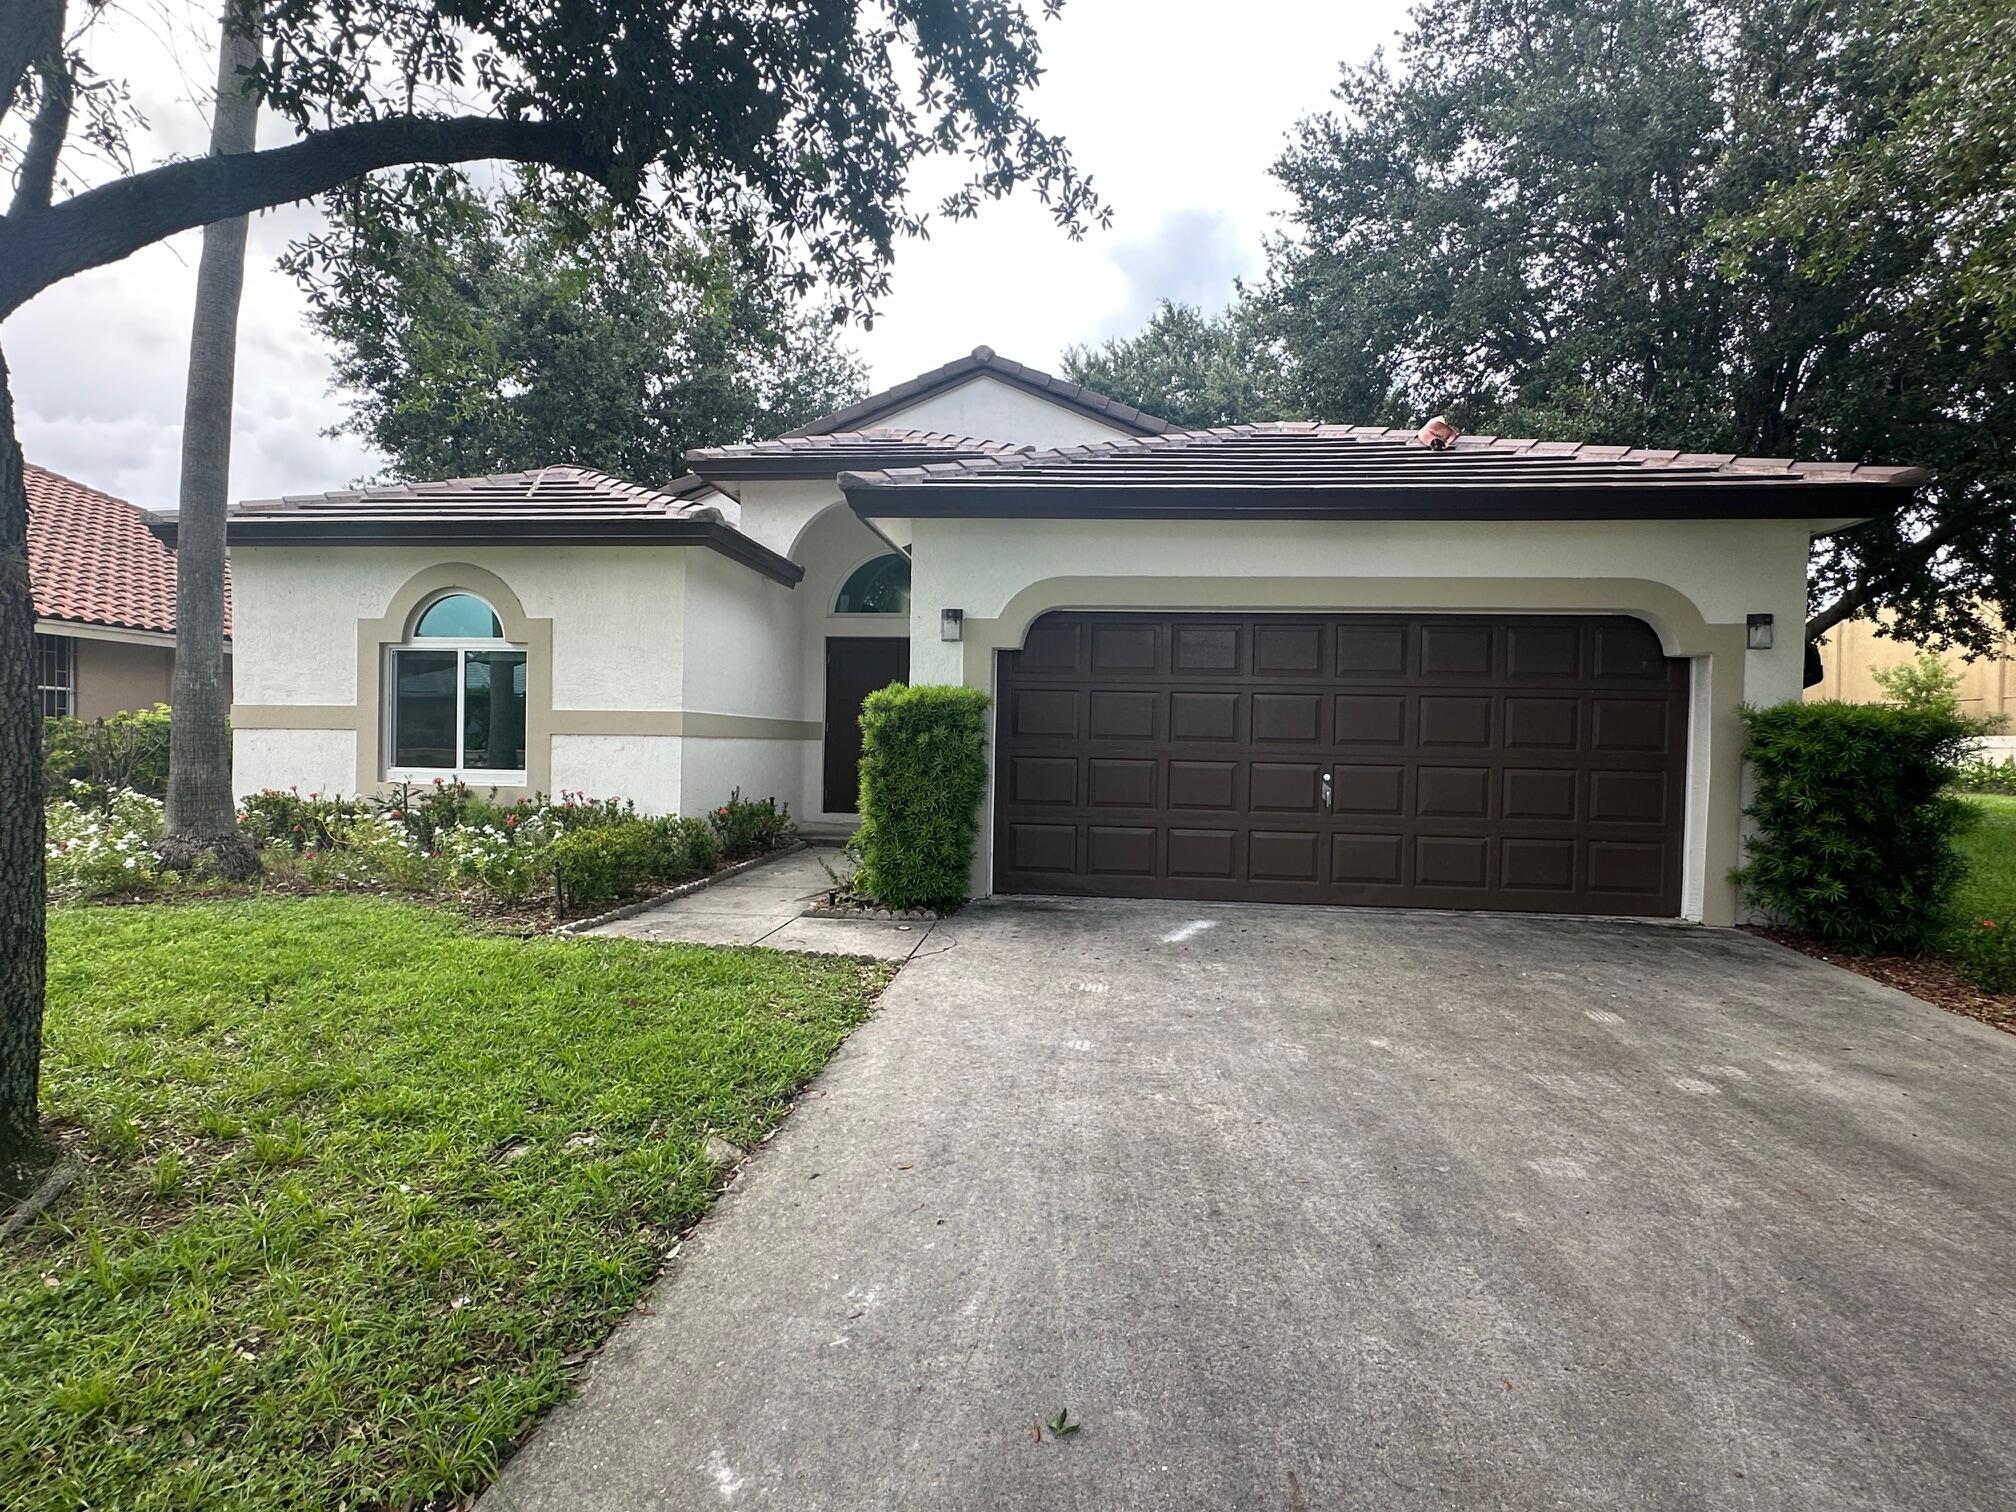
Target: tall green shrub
{"x": 1855, "y": 827}
{"x": 923, "y": 772}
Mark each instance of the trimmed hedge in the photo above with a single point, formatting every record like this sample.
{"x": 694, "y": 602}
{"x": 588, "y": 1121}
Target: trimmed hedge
{"x": 923, "y": 773}
{"x": 1855, "y": 826}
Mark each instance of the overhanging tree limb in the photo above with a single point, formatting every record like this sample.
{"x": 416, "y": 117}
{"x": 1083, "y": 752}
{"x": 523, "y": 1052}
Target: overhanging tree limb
{"x": 43, "y": 246}
{"x": 1879, "y": 585}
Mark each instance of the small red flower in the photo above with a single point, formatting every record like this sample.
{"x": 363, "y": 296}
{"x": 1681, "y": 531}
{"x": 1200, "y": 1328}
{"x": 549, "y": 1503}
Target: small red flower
{"x": 1987, "y": 923}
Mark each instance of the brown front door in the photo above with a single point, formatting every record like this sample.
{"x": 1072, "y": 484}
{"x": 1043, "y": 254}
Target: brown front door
{"x": 1435, "y": 761}
{"x": 855, "y": 667}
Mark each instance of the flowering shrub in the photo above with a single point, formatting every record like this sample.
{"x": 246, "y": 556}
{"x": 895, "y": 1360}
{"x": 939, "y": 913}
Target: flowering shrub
{"x": 93, "y": 852}
{"x": 508, "y": 861}
{"x": 273, "y": 817}
{"x": 748, "y": 827}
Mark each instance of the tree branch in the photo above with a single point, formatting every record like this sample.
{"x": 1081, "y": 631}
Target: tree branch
{"x": 1878, "y": 585}
{"x": 44, "y": 246}
{"x": 29, "y": 29}
{"x": 46, "y": 134}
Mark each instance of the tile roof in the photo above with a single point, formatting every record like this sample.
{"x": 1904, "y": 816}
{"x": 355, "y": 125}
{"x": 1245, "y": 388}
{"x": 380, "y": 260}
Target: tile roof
{"x": 1291, "y": 468}
{"x": 831, "y": 452}
{"x": 545, "y": 506}
{"x": 546, "y": 493}
{"x": 92, "y": 559}
{"x": 985, "y": 360}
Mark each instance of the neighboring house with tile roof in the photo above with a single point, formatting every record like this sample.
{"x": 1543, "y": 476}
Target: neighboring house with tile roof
{"x": 1287, "y": 662}
{"x": 104, "y": 591}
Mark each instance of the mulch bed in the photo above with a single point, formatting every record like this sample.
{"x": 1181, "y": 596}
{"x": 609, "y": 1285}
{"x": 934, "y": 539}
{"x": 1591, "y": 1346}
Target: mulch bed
{"x": 1925, "y": 977}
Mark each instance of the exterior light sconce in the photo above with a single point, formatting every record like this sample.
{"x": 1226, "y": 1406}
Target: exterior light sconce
{"x": 951, "y": 624}
{"x": 1757, "y": 632}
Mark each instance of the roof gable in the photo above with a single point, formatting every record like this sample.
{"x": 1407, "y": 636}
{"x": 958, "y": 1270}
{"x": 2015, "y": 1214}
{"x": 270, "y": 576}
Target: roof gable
{"x": 985, "y": 362}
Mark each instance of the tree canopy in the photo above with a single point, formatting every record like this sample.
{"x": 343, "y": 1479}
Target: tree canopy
{"x": 791, "y": 128}
{"x": 1776, "y": 230}
{"x": 494, "y": 334}
{"x": 1190, "y": 368}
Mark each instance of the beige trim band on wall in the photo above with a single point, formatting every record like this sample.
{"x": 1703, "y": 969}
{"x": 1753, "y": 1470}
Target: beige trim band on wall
{"x": 685, "y": 724}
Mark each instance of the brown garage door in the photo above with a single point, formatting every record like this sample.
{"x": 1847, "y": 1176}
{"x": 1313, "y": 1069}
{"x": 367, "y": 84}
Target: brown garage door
{"x": 1418, "y": 761}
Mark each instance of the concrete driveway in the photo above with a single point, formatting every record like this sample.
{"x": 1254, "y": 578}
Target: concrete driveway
{"x": 1307, "y": 1209}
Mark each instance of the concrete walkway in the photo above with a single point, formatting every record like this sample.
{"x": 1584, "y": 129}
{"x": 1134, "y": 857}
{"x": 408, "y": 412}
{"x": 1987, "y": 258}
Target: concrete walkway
{"x": 1305, "y": 1209}
{"x": 766, "y": 906}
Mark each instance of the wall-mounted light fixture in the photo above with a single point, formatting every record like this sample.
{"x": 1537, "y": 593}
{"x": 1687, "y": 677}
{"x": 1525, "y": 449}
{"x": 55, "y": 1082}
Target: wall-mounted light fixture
{"x": 1757, "y": 632}
{"x": 951, "y": 624}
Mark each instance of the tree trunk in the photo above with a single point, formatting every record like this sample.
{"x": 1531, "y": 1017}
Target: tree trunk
{"x": 22, "y": 962}
{"x": 201, "y": 825}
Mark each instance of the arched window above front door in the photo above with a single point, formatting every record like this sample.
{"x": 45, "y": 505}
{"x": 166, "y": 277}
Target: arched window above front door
{"x": 878, "y": 587}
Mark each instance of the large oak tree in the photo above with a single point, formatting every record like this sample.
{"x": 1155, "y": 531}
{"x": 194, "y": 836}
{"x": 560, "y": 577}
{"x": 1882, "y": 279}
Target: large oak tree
{"x": 788, "y": 124}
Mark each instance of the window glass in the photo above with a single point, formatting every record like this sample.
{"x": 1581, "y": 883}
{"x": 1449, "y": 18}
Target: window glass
{"x": 493, "y": 710}
{"x": 423, "y": 709}
{"x": 56, "y": 674}
{"x": 878, "y": 587}
{"x": 459, "y": 616}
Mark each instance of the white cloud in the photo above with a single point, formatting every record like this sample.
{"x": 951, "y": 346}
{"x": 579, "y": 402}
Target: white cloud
{"x": 1176, "y": 110}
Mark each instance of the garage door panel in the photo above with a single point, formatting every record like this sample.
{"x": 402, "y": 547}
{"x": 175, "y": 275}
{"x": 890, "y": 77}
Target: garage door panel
{"x": 1126, "y": 649}
{"x": 1372, "y": 651}
{"x": 1203, "y": 784}
{"x": 1449, "y": 719}
{"x": 1288, "y": 650}
{"x": 1204, "y": 853}
{"x": 1522, "y": 762}
{"x": 1204, "y": 716}
{"x": 1371, "y": 719}
{"x": 1363, "y": 790}
{"x": 1282, "y": 856}
{"x": 1368, "y": 859}
{"x": 1207, "y": 650}
{"x": 1461, "y": 651}
{"x": 1453, "y": 792}
{"x": 1117, "y": 851}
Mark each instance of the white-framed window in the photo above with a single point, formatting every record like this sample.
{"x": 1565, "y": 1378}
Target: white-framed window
{"x": 880, "y": 585}
{"x": 56, "y": 675}
{"x": 455, "y": 696}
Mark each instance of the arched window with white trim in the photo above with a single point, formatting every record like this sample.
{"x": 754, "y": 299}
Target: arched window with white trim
{"x": 878, "y": 586}
{"x": 457, "y": 695}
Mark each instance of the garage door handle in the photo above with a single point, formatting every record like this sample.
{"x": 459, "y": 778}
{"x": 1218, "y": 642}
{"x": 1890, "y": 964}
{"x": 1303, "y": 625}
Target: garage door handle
{"x": 1326, "y": 792}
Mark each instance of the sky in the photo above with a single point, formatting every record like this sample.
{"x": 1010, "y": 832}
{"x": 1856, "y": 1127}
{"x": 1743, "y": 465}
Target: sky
{"x": 1176, "y": 114}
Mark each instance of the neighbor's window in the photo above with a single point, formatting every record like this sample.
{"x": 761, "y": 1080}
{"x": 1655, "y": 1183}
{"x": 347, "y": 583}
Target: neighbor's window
{"x": 458, "y": 695}
{"x": 56, "y": 675}
{"x": 878, "y": 587}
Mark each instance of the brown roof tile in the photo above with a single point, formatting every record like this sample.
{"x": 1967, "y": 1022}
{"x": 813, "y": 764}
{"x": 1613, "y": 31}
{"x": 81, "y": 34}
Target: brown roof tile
{"x": 92, "y": 559}
{"x": 1306, "y": 468}
{"x": 547, "y": 505}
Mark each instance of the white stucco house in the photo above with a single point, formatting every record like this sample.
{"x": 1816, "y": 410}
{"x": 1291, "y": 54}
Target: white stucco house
{"x": 1282, "y": 662}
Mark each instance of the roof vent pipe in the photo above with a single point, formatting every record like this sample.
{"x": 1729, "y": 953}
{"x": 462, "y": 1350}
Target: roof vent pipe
{"x": 1438, "y": 434}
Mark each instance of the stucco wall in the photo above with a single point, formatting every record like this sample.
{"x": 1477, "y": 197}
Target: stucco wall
{"x": 643, "y": 768}
{"x": 1694, "y": 581}
{"x": 315, "y": 761}
{"x": 991, "y": 410}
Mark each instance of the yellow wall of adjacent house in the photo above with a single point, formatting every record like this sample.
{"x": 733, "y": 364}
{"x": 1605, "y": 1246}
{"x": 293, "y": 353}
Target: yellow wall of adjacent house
{"x": 1854, "y": 652}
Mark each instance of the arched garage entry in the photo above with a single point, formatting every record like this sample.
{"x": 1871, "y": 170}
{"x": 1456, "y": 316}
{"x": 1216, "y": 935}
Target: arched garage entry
{"x": 1525, "y": 762}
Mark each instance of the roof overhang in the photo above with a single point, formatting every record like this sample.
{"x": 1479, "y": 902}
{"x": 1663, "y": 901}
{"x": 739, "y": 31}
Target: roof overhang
{"x": 282, "y": 530}
{"x": 879, "y": 498}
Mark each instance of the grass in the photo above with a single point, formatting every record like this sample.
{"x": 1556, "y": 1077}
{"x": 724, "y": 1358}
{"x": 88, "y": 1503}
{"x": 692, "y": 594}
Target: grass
{"x": 1989, "y": 892}
{"x": 363, "y": 1187}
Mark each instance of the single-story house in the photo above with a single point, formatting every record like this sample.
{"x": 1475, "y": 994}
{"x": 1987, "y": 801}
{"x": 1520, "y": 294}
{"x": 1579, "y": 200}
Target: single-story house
{"x": 104, "y": 591}
{"x": 1285, "y": 662}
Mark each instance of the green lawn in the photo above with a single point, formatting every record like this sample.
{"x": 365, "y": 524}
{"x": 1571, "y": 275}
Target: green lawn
{"x": 364, "y": 1185}
{"x": 1990, "y": 889}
